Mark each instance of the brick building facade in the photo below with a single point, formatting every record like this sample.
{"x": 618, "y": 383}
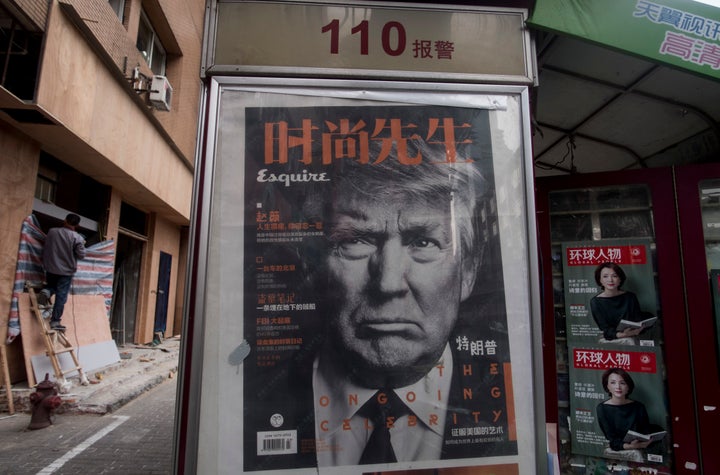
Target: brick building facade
{"x": 78, "y": 134}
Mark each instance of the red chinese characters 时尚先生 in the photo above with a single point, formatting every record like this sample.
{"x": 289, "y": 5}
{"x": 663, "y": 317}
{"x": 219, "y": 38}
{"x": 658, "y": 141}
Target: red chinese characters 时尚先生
{"x": 344, "y": 139}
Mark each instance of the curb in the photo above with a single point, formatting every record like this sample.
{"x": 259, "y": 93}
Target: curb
{"x": 111, "y": 398}
{"x": 113, "y": 386}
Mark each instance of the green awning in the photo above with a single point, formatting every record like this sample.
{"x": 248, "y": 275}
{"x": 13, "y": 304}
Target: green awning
{"x": 680, "y": 33}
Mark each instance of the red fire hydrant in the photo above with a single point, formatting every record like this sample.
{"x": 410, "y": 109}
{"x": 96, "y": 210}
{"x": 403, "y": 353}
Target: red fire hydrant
{"x": 44, "y": 402}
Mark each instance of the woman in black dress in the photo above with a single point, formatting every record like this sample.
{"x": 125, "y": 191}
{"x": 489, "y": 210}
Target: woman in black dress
{"x": 614, "y": 304}
{"x": 619, "y": 414}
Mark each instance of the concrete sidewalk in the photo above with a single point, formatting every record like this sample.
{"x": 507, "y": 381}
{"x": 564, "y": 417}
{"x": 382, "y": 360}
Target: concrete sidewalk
{"x": 140, "y": 368}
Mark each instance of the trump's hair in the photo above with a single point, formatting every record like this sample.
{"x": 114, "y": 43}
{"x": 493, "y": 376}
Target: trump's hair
{"x": 433, "y": 181}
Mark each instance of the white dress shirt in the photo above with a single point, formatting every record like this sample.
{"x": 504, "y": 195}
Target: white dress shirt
{"x": 341, "y": 433}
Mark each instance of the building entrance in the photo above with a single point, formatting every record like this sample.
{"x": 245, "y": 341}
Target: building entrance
{"x": 126, "y": 288}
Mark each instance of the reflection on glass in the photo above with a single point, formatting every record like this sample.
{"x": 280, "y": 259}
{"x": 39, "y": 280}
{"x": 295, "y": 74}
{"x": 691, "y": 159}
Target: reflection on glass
{"x": 622, "y": 197}
{"x": 593, "y": 215}
{"x": 626, "y": 224}
{"x": 573, "y": 200}
{"x": 710, "y": 209}
{"x": 557, "y": 259}
{"x": 558, "y": 291}
{"x": 571, "y": 227}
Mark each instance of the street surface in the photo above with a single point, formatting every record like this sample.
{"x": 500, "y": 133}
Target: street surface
{"x": 137, "y": 439}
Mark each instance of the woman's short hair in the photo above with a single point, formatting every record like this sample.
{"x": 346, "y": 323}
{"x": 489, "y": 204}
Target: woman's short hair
{"x": 620, "y": 372}
{"x": 610, "y": 265}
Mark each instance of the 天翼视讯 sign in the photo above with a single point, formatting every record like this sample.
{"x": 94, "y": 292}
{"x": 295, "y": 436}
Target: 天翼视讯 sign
{"x": 679, "y": 33}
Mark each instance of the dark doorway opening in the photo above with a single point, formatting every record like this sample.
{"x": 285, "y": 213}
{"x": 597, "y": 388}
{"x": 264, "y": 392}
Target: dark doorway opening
{"x": 163, "y": 292}
{"x": 125, "y": 293}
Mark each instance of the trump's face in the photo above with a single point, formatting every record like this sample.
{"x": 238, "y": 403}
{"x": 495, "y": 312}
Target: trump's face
{"x": 397, "y": 278}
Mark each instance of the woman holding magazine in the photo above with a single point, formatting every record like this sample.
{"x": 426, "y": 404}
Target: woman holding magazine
{"x": 615, "y": 310}
{"x": 620, "y": 415}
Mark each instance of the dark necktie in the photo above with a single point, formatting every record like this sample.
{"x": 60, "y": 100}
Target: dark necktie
{"x": 378, "y": 448}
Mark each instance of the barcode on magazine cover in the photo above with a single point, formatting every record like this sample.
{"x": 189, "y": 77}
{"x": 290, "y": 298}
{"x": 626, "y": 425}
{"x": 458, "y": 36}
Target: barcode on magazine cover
{"x": 277, "y": 442}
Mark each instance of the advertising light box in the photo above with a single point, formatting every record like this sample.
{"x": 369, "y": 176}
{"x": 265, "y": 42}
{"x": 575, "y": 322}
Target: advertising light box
{"x": 363, "y": 282}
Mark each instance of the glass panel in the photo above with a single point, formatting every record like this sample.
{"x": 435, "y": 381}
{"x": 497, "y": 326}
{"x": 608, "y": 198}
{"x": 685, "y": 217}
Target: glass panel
{"x": 149, "y": 45}
{"x": 145, "y": 39}
{"x": 590, "y": 228}
{"x": 157, "y": 64}
{"x": 625, "y": 197}
{"x": 278, "y": 233}
{"x": 558, "y": 291}
{"x": 710, "y": 204}
{"x": 557, "y": 259}
{"x": 710, "y": 208}
{"x": 118, "y": 7}
{"x": 576, "y": 200}
{"x": 45, "y": 190}
{"x": 571, "y": 227}
{"x": 626, "y": 224}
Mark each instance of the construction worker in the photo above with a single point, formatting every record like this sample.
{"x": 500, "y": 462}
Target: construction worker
{"x": 63, "y": 247}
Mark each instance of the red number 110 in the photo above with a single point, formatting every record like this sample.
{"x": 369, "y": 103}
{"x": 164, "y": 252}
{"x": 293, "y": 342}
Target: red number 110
{"x": 363, "y": 29}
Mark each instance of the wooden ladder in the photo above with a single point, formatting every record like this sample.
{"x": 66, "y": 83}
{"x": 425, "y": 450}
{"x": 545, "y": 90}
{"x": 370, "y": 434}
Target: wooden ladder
{"x": 55, "y": 344}
{"x": 6, "y": 378}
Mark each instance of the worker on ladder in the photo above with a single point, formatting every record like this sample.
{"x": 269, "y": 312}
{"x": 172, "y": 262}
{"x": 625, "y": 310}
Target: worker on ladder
{"x": 63, "y": 247}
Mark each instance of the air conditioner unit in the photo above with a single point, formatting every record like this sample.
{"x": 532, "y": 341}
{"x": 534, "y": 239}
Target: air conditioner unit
{"x": 160, "y": 93}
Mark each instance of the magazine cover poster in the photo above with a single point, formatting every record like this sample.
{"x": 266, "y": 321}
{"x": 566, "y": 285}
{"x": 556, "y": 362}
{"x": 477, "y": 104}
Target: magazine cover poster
{"x": 617, "y": 405}
{"x": 609, "y": 291}
{"x": 374, "y": 303}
